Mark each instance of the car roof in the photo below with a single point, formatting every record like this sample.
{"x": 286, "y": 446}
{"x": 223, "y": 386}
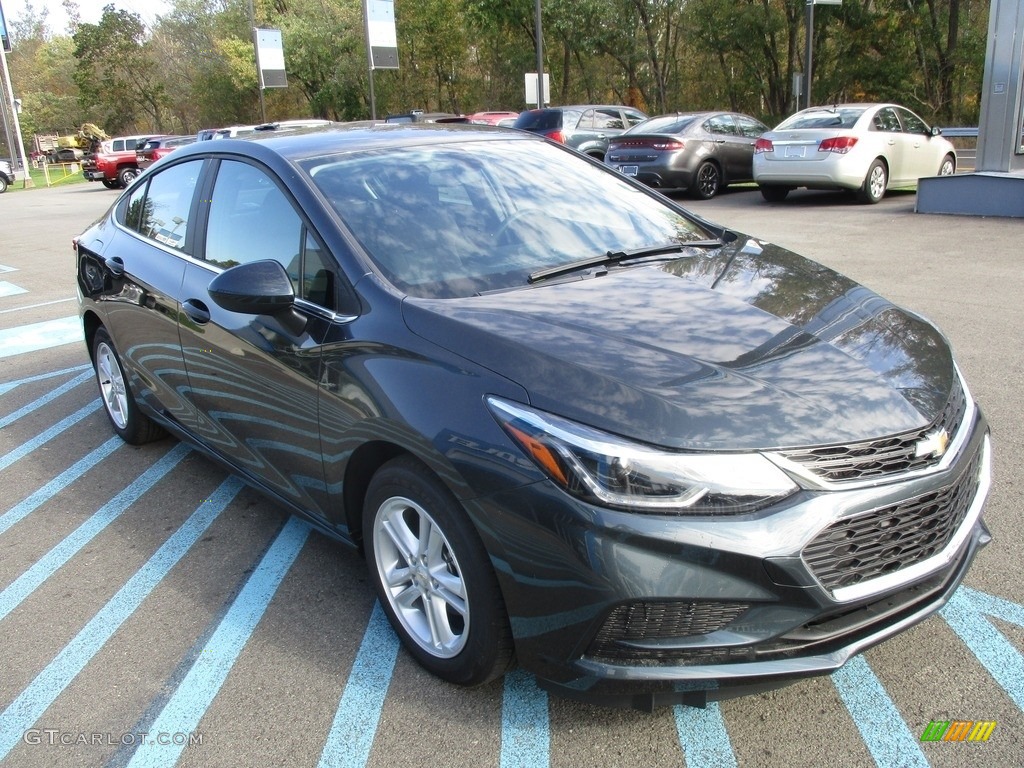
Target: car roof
{"x": 342, "y": 137}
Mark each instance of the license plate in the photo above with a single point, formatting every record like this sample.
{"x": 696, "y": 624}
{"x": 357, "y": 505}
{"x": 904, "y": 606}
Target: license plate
{"x": 628, "y": 170}
{"x": 792, "y": 151}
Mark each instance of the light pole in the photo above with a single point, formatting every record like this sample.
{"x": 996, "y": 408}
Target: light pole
{"x": 809, "y": 46}
{"x": 540, "y": 57}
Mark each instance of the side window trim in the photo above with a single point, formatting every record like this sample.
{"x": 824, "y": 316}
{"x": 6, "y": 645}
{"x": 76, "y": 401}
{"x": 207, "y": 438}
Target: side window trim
{"x": 344, "y": 294}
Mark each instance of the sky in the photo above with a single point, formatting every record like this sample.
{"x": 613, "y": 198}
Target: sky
{"x": 90, "y": 10}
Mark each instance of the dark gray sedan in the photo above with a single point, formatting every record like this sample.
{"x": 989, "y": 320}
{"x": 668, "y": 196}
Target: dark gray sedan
{"x": 651, "y": 459}
{"x": 700, "y": 152}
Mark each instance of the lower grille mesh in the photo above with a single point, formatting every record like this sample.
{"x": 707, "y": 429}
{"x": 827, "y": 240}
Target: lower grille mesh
{"x": 646, "y": 621}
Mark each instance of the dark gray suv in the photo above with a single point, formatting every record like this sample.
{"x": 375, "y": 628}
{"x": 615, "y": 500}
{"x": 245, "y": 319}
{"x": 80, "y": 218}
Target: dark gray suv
{"x": 586, "y": 128}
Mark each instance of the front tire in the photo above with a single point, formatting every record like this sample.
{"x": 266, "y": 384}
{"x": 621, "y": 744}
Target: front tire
{"x": 948, "y": 166}
{"x": 873, "y": 188}
{"x": 433, "y": 576}
{"x": 133, "y": 426}
{"x": 3, "y": 184}
{"x": 707, "y": 181}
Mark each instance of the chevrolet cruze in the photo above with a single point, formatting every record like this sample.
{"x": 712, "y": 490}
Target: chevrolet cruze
{"x": 865, "y": 149}
{"x": 650, "y": 459}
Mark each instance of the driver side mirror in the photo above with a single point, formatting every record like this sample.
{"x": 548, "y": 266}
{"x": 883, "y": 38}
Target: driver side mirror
{"x": 258, "y": 288}
{"x": 936, "y": 131}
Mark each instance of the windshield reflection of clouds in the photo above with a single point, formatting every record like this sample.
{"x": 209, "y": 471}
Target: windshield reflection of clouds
{"x": 454, "y": 220}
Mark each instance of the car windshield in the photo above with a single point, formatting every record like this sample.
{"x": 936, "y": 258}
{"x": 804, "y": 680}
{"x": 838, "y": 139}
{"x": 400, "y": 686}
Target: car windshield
{"x": 454, "y": 220}
{"x": 664, "y": 124}
{"x": 844, "y": 117}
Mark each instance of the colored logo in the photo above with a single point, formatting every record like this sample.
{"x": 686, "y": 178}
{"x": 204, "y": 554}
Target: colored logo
{"x": 958, "y": 730}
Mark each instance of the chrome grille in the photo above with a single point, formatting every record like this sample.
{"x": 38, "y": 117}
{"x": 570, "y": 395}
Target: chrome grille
{"x": 895, "y": 537}
{"x": 886, "y": 457}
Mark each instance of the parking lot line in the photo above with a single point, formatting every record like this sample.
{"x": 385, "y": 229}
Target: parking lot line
{"x": 23, "y": 508}
{"x": 525, "y": 724}
{"x": 49, "y": 397}
{"x": 193, "y": 696}
{"x": 703, "y": 737}
{"x": 47, "y": 565}
{"x": 355, "y": 723}
{"x": 880, "y": 723}
{"x": 44, "y": 689}
{"x": 44, "y": 335}
{"x": 9, "y": 385}
{"x": 47, "y": 435}
{"x": 965, "y": 613}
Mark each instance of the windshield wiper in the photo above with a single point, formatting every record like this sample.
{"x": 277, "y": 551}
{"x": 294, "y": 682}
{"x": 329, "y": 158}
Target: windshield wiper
{"x": 614, "y": 257}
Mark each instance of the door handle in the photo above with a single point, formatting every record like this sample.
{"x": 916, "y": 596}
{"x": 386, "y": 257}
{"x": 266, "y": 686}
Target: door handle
{"x": 115, "y": 265}
{"x": 196, "y": 311}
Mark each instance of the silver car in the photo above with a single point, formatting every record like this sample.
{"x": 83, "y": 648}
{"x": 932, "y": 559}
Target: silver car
{"x": 864, "y": 148}
{"x": 701, "y": 152}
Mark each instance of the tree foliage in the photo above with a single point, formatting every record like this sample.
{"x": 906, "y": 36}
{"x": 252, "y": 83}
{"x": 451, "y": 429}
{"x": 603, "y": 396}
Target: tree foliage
{"x": 195, "y": 66}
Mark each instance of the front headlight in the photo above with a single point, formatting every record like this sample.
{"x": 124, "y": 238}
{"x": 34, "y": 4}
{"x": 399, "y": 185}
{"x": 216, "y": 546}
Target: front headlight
{"x": 606, "y": 469}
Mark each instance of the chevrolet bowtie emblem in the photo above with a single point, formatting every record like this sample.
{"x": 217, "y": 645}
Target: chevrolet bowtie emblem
{"x": 934, "y": 445}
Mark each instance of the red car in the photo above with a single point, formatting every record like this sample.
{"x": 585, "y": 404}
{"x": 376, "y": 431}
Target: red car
{"x": 156, "y": 148}
{"x": 491, "y": 118}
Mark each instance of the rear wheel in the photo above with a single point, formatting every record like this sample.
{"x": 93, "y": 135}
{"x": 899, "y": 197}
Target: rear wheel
{"x": 774, "y": 194}
{"x": 133, "y": 426}
{"x": 948, "y": 166}
{"x": 127, "y": 175}
{"x": 111, "y": 184}
{"x": 433, "y": 576}
{"x": 873, "y": 188}
{"x": 707, "y": 181}
{"x": 3, "y": 184}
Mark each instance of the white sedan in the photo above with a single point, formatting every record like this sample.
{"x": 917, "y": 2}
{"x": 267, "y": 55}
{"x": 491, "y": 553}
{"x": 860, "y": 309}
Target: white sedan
{"x": 865, "y": 148}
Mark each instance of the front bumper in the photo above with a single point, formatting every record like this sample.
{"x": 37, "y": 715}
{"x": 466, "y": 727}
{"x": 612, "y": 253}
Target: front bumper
{"x": 640, "y": 610}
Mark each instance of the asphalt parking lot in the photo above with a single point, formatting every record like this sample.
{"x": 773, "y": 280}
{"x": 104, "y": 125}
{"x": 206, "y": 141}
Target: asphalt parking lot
{"x": 153, "y": 611}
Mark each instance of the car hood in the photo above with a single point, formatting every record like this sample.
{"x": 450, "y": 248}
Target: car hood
{"x": 748, "y": 347}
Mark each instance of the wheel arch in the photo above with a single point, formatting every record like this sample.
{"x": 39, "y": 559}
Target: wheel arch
{"x": 361, "y": 467}
{"x": 90, "y": 324}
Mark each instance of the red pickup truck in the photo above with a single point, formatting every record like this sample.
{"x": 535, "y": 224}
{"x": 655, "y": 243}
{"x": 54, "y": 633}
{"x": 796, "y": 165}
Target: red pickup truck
{"x": 114, "y": 161}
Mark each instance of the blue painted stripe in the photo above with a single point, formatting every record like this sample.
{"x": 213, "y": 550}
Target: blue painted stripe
{"x": 48, "y": 564}
{"x": 36, "y": 306}
{"x": 881, "y": 725}
{"x": 23, "y": 508}
{"x": 703, "y": 737}
{"x": 355, "y": 723}
{"x": 10, "y": 289}
{"x": 997, "y": 654}
{"x": 997, "y": 607}
{"x": 46, "y": 436}
{"x": 525, "y": 724}
{"x": 32, "y": 338}
{"x": 190, "y": 701}
{"x": 58, "y": 674}
{"x": 40, "y": 402}
{"x": 9, "y": 385}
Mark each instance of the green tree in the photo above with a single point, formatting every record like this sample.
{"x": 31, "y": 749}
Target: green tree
{"x": 117, "y": 76}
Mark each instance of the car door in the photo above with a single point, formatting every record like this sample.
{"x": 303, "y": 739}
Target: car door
{"x": 922, "y": 157}
{"x": 894, "y": 145}
{"x": 728, "y": 146}
{"x": 135, "y": 274}
{"x": 254, "y": 379}
{"x": 748, "y": 130}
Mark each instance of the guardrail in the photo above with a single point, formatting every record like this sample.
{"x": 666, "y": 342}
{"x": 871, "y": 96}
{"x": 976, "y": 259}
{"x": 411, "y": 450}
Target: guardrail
{"x": 966, "y": 142}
